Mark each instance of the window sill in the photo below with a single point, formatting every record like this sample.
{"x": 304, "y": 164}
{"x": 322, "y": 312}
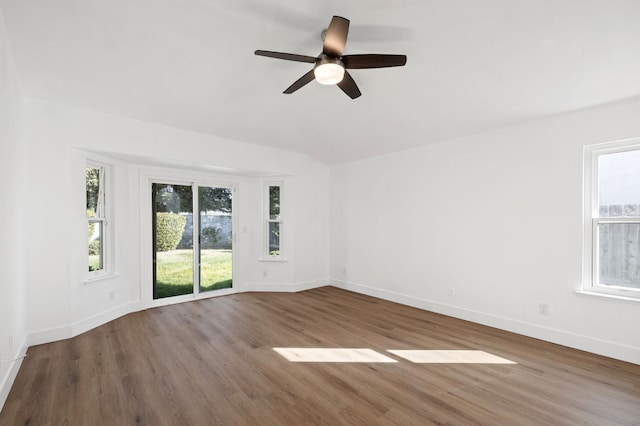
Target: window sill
{"x": 272, "y": 259}
{"x": 609, "y": 295}
{"x": 97, "y": 278}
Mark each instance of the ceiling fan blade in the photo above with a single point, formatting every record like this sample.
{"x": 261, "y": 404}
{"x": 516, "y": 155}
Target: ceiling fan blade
{"x": 286, "y": 56}
{"x": 336, "y": 37}
{"x": 302, "y": 81}
{"x": 349, "y": 86}
{"x": 373, "y": 61}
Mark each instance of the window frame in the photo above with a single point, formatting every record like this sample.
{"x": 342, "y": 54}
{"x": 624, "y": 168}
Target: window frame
{"x": 266, "y": 252}
{"x": 102, "y": 218}
{"x": 592, "y": 221}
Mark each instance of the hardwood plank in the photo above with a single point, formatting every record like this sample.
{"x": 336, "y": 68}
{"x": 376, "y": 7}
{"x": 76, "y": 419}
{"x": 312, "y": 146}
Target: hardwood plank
{"x": 213, "y": 362}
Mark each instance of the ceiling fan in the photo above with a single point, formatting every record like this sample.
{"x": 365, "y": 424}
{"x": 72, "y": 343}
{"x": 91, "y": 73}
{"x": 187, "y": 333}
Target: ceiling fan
{"x": 330, "y": 67}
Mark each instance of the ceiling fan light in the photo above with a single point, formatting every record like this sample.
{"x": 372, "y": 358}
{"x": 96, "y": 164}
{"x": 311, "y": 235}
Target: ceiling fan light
{"x": 329, "y": 73}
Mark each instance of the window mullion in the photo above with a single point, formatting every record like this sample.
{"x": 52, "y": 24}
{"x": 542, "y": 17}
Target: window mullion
{"x": 195, "y": 238}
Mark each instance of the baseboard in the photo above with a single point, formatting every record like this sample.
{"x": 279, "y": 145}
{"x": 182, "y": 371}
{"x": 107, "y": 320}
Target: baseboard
{"x": 6, "y": 382}
{"x": 49, "y": 335}
{"x": 67, "y": 331}
{"x": 561, "y": 337}
{"x": 285, "y": 288}
{"x": 84, "y": 325}
{"x": 97, "y": 320}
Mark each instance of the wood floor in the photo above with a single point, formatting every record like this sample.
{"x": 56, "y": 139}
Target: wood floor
{"x": 213, "y": 362}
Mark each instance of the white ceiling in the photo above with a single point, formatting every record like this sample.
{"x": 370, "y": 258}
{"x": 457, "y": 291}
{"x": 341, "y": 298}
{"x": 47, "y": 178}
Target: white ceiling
{"x": 472, "y": 65}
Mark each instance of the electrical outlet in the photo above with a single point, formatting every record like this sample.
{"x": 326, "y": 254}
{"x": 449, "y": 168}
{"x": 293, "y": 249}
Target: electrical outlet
{"x": 344, "y": 271}
{"x": 451, "y": 292}
{"x": 264, "y": 273}
{"x": 111, "y": 294}
{"x": 543, "y": 309}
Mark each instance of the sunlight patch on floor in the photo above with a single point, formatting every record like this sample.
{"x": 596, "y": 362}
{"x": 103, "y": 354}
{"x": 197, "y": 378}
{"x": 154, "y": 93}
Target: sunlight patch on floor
{"x": 450, "y": 357}
{"x": 332, "y": 355}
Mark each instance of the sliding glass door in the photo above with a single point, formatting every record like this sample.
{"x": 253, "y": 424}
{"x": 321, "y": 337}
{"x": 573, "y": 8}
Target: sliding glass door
{"x": 182, "y": 264}
{"x": 215, "y": 226}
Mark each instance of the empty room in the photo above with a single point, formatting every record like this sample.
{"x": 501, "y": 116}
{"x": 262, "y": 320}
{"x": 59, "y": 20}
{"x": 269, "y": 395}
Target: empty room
{"x": 320, "y": 212}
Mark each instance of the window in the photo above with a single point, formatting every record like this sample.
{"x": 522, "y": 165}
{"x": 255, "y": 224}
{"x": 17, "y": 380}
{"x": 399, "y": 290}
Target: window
{"x": 612, "y": 219}
{"x": 95, "y": 181}
{"x": 273, "y": 219}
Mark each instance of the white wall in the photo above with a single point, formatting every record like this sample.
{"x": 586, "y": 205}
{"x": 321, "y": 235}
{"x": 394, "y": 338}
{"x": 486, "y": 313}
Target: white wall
{"x": 12, "y": 250}
{"x": 485, "y": 228}
{"x": 59, "y": 141}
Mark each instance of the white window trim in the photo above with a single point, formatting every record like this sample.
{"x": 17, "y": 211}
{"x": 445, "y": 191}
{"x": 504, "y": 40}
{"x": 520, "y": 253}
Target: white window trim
{"x": 105, "y": 210}
{"x": 266, "y": 257}
{"x": 592, "y": 219}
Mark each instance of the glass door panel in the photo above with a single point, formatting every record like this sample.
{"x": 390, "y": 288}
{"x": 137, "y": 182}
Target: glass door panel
{"x": 216, "y": 238}
{"x": 172, "y": 240}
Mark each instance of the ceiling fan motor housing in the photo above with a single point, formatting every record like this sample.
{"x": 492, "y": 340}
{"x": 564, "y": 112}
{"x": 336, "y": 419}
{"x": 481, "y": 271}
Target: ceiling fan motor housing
{"x": 326, "y": 59}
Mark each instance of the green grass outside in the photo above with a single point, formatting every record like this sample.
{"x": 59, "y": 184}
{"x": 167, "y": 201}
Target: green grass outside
{"x": 94, "y": 262}
{"x": 174, "y": 271}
